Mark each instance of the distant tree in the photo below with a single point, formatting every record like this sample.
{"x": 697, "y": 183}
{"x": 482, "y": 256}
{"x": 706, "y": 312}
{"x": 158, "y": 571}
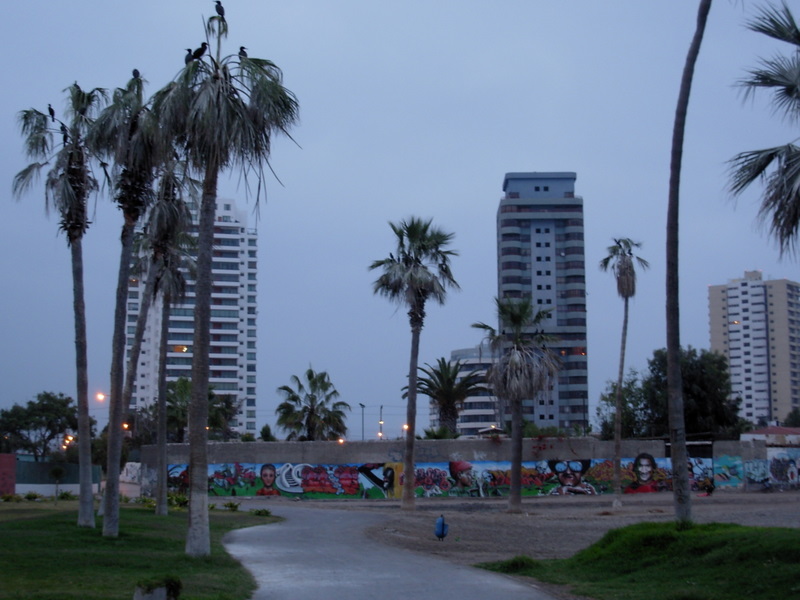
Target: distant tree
{"x": 680, "y": 455}
{"x": 222, "y": 410}
{"x": 622, "y": 262}
{"x": 440, "y": 433}
{"x": 247, "y": 437}
{"x": 417, "y": 271}
{"x": 443, "y": 385}
{"x": 634, "y": 409}
{"x": 311, "y": 411}
{"x": 793, "y": 418}
{"x": 710, "y": 411}
{"x": 69, "y": 184}
{"x": 524, "y": 370}
{"x": 39, "y": 426}
{"x": 266, "y": 434}
{"x": 777, "y": 167}
{"x": 179, "y": 395}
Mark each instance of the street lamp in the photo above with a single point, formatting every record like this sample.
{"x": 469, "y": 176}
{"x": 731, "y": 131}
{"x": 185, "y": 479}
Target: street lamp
{"x": 380, "y": 424}
{"x": 362, "y": 421}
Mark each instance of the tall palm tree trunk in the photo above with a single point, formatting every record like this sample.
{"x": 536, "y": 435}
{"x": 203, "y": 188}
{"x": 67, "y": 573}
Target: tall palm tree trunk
{"x": 136, "y": 347}
{"x": 198, "y": 541}
{"x": 408, "y": 501}
{"x": 515, "y": 491}
{"x": 116, "y": 408}
{"x": 679, "y": 454}
{"x": 86, "y": 498}
{"x": 161, "y": 436}
{"x": 618, "y": 411}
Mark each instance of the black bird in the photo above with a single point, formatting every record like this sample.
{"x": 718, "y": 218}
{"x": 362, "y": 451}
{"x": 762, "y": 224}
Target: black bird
{"x": 242, "y": 52}
{"x": 220, "y": 9}
{"x": 65, "y": 132}
{"x": 52, "y": 113}
{"x": 441, "y": 528}
{"x": 188, "y": 58}
{"x": 136, "y": 74}
{"x": 200, "y": 51}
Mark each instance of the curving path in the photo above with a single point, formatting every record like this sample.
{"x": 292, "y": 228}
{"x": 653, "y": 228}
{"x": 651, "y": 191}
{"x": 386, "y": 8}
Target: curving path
{"x": 322, "y": 554}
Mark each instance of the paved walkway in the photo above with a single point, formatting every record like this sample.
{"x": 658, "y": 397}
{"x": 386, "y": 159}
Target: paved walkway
{"x": 322, "y": 554}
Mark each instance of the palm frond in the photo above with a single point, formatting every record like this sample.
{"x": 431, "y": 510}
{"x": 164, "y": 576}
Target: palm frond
{"x": 35, "y": 128}
{"x": 26, "y": 178}
{"x": 777, "y": 23}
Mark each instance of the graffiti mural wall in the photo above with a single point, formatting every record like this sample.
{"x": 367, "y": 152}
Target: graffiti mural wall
{"x": 477, "y": 479}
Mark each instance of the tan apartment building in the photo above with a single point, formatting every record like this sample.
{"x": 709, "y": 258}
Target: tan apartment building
{"x": 756, "y": 325}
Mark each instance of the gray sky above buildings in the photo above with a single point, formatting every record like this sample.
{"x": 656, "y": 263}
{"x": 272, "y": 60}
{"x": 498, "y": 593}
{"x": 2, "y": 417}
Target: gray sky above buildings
{"x": 407, "y": 108}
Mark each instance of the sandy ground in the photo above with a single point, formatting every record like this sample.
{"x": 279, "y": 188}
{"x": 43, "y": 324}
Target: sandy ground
{"x": 552, "y": 527}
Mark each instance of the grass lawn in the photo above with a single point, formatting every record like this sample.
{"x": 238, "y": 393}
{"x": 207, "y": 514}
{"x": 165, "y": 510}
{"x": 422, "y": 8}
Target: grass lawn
{"x": 44, "y": 555}
{"x": 657, "y": 562}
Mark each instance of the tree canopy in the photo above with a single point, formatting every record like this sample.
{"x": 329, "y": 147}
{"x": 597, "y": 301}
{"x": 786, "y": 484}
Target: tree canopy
{"x": 709, "y": 409}
{"x": 37, "y": 426}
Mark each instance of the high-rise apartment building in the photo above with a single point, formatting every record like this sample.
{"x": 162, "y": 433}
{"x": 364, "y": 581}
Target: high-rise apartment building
{"x": 540, "y": 256}
{"x": 233, "y": 322}
{"x": 479, "y": 412}
{"x": 756, "y": 325}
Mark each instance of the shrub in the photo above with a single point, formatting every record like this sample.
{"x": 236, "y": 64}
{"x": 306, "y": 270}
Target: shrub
{"x": 261, "y": 512}
{"x": 179, "y": 500}
{"x": 33, "y": 496}
{"x": 67, "y": 495}
{"x": 11, "y": 498}
{"x": 232, "y": 506}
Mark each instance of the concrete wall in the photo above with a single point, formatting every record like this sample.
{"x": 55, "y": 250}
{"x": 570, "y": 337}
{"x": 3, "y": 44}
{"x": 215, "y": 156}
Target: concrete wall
{"x": 426, "y": 451}
{"x": 533, "y": 449}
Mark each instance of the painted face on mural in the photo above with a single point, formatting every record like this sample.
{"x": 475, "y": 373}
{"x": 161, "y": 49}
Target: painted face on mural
{"x": 569, "y": 472}
{"x": 644, "y": 471}
{"x": 268, "y": 476}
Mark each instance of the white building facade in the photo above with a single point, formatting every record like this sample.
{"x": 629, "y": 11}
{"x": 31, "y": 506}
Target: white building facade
{"x": 232, "y": 369}
{"x": 756, "y": 325}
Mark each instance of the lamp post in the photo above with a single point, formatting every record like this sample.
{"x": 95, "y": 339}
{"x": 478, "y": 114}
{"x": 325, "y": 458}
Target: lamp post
{"x": 362, "y": 421}
{"x": 380, "y": 424}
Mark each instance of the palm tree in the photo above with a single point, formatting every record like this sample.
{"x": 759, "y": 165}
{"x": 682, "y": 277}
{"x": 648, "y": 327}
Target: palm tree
{"x": 780, "y": 203}
{"x": 166, "y": 248}
{"x": 621, "y": 261}
{"x": 67, "y": 188}
{"x": 126, "y": 134}
{"x": 226, "y": 110}
{"x": 679, "y": 453}
{"x": 524, "y": 368}
{"x": 221, "y": 412}
{"x": 420, "y": 270}
{"x": 311, "y": 410}
{"x": 444, "y": 386}
{"x": 178, "y": 396}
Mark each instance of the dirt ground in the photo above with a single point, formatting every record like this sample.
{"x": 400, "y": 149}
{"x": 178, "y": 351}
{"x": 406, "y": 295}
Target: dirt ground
{"x": 554, "y": 527}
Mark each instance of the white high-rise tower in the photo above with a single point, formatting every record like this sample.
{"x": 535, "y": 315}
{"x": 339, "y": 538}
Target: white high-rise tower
{"x": 233, "y": 322}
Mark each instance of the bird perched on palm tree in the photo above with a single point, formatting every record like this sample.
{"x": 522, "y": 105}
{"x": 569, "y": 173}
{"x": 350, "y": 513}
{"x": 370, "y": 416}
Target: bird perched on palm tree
{"x": 220, "y": 9}
{"x": 200, "y": 51}
{"x": 441, "y": 528}
{"x": 188, "y": 58}
{"x": 242, "y": 52}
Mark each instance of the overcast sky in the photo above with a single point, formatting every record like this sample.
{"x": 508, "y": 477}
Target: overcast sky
{"x": 407, "y": 108}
